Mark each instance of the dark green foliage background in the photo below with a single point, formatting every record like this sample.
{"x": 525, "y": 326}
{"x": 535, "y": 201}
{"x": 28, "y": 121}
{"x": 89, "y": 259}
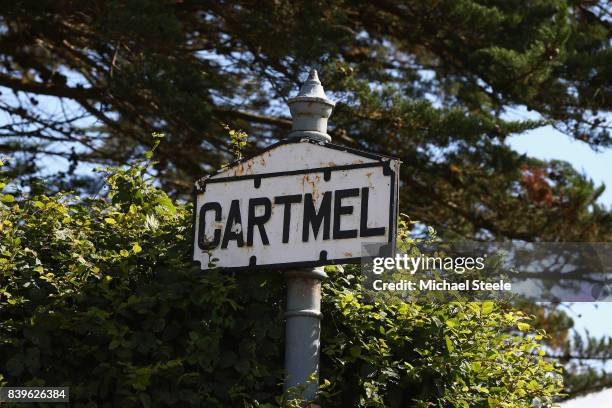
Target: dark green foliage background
{"x": 128, "y": 325}
{"x": 99, "y": 294}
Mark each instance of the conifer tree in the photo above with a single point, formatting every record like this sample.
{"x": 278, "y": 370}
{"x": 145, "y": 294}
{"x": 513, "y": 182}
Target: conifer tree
{"x": 432, "y": 82}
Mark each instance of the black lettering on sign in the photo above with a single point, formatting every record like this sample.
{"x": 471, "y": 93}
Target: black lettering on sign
{"x": 258, "y": 220}
{"x": 233, "y": 218}
{"x": 314, "y": 218}
{"x": 340, "y": 210}
{"x": 202, "y": 242}
{"x": 287, "y": 201}
{"x": 363, "y": 222}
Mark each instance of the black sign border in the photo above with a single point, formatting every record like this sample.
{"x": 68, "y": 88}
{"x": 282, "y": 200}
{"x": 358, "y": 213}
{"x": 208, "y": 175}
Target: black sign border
{"x": 382, "y": 161}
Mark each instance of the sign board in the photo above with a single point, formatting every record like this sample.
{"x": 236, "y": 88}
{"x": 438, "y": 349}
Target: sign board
{"x": 297, "y": 204}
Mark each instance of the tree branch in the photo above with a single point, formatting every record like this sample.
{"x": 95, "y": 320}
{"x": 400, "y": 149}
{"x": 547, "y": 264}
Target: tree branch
{"x": 51, "y": 90}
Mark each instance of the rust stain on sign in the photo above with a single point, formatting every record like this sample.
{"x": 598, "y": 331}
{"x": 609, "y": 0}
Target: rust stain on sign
{"x": 310, "y": 183}
{"x": 239, "y": 171}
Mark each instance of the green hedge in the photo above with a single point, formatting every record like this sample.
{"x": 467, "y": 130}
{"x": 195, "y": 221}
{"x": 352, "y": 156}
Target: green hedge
{"x": 99, "y": 294}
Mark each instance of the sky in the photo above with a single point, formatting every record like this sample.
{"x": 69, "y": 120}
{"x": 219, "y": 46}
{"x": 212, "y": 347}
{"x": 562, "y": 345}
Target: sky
{"x": 601, "y": 399}
{"x": 547, "y": 143}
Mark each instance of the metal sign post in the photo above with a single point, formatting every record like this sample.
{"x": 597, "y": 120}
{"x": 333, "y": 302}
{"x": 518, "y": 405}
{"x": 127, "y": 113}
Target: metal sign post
{"x": 303, "y": 329}
{"x": 310, "y": 110}
{"x": 300, "y": 204}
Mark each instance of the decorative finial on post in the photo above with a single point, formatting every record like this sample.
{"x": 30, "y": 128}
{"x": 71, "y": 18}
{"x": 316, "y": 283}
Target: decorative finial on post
{"x": 313, "y": 75}
{"x": 310, "y": 109}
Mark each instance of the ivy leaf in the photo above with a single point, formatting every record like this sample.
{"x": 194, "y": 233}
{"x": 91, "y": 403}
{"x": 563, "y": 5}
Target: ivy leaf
{"x": 449, "y": 344}
{"x": 165, "y": 202}
{"x": 523, "y": 326}
{"x": 487, "y": 308}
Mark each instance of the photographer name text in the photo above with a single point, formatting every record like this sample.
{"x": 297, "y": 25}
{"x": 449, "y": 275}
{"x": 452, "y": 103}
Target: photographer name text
{"x": 442, "y": 285}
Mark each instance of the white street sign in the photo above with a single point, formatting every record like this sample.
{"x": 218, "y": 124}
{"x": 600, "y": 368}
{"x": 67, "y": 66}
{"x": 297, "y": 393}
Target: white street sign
{"x": 297, "y": 204}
